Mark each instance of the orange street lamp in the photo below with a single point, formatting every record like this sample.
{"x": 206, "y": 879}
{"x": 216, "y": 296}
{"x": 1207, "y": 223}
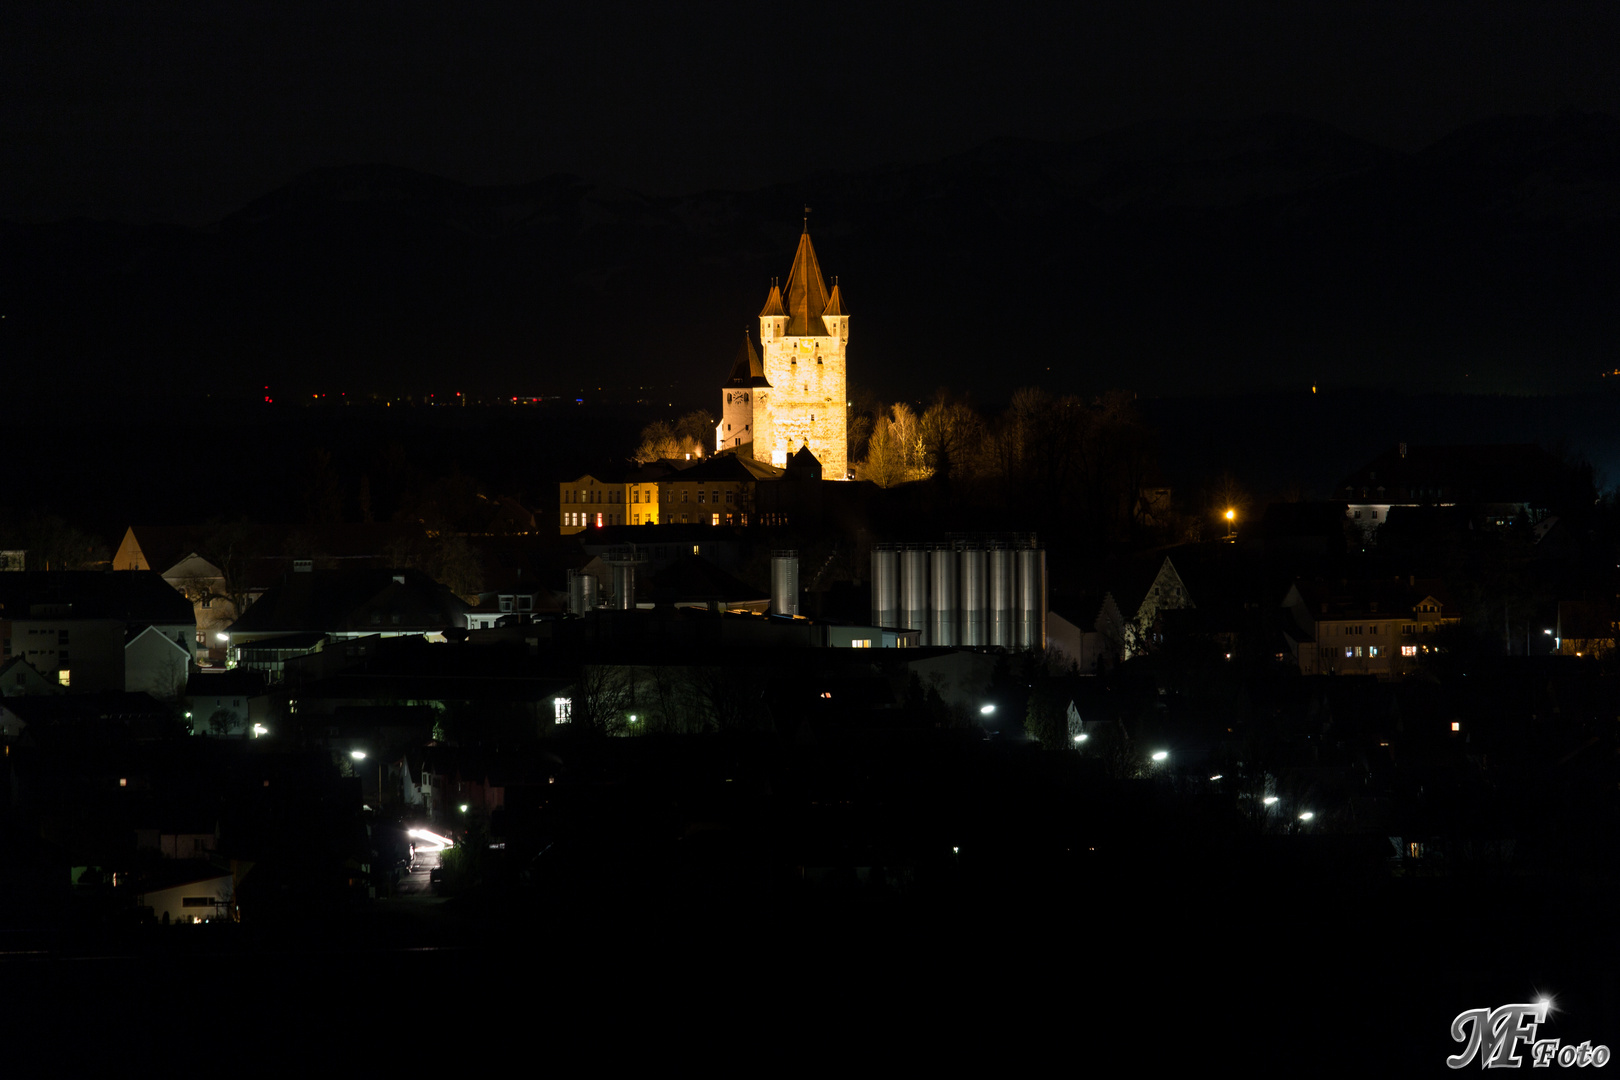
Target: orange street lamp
{"x": 1231, "y": 523}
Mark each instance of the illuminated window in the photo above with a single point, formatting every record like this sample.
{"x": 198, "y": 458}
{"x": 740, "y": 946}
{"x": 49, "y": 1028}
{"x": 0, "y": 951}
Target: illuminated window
{"x": 1408, "y": 650}
{"x": 1358, "y": 651}
{"x": 714, "y": 519}
{"x": 562, "y": 710}
{"x": 598, "y": 521}
{"x": 1348, "y": 652}
{"x": 1456, "y": 725}
{"x": 1372, "y": 651}
{"x": 64, "y": 677}
{"x": 863, "y": 643}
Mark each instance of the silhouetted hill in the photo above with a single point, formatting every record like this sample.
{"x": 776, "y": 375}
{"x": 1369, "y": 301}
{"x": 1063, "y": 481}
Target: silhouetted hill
{"x": 1173, "y": 259}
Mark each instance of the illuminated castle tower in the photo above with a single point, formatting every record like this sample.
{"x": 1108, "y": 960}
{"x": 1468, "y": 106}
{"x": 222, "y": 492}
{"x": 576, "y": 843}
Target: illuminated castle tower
{"x": 797, "y": 394}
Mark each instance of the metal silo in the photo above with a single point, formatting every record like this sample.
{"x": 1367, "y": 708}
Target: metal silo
{"x": 784, "y": 583}
{"x": 1002, "y": 633}
{"x": 1032, "y": 599}
{"x": 914, "y": 589}
{"x": 942, "y": 601}
{"x": 974, "y": 587}
{"x": 885, "y": 586}
{"x": 587, "y": 591}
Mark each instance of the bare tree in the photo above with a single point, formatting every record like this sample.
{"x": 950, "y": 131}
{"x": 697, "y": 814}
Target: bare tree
{"x": 605, "y": 698}
{"x": 894, "y": 453}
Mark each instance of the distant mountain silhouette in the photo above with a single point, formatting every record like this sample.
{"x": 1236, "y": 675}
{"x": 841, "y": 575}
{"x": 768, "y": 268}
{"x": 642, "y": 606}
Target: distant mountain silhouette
{"x": 1174, "y": 259}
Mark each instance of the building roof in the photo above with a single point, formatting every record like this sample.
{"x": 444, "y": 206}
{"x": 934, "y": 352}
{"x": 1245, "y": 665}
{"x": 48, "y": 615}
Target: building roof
{"x": 773, "y": 304}
{"x": 1492, "y": 473}
{"x": 835, "y": 302}
{"x": 337, "y": 601}
{"x": 727, "y": 468}
{"x": 694, "y": 579}
{"x": 746, "y": 370}
{"x": 803, "y": 465}
{"x": 806, "y": 292}
{"x": 1363, "y": 598}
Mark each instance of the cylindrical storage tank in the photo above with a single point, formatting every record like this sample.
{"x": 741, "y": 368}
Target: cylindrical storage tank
{"x": 914, "y": 590}
{"x": 942, "y": 605}
{"x": 1032, "y": 599}
{"x": 885, "y": 587}
{"x": 624, "y": 586}
{"x": 784, "y": 583}
{"x": 1002, "y": 633}
{"x": 587, "y": 592}
{"x": 974, "y": 586}
{"x": 576, "y": 594}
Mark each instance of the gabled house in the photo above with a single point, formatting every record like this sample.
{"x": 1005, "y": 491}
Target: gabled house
{"x": 78, "y": 627}
{"x": 1382, "y": 628}
{"x": 1496, "y": 483}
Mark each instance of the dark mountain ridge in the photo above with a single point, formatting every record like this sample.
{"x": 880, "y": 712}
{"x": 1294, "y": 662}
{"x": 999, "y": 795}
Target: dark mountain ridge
{"x": 1173, "y": 258}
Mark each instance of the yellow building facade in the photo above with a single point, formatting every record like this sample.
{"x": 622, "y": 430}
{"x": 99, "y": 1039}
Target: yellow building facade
{"x": 592, "y": 503}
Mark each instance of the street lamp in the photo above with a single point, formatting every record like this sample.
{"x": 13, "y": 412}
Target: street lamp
{"x": 1161, "y": 755}
{"x": 1231, "y": 522}
{"x": 986, "y": 710}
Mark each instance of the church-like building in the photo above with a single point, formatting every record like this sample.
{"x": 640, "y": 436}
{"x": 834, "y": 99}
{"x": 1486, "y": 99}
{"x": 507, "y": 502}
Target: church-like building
{"x": 795, "y": 396}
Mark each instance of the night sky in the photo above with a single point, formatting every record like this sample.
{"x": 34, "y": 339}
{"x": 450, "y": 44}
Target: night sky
{"x": 154, "y": 111}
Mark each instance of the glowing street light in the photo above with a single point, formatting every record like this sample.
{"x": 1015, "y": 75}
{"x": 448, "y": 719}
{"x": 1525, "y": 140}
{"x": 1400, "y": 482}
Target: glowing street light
{"x": 1269, "y": 800}
{"x": 1306, "y": 816}
{"x": 358, "y": 755}
{"x": 986, "y": 710}
{"x": 1080, "y": 738}
{"x": 1161, "y": 755}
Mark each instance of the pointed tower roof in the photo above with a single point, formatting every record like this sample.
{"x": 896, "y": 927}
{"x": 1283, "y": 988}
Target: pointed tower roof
{"x": 773, "y": 304}
{"x": 806, "y": 292}
{"x": 746, "y": 370}
{"x": 835, "y": 302}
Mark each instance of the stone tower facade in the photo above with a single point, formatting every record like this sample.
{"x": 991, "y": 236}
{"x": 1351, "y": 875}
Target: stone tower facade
{"x": 799, "y": 396}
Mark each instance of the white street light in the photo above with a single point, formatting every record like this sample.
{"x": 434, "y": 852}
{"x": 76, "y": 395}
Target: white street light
{"x": 1269, "y": 800}
{"x": 986, "y": 710}
{"x": 1161, "y": 755}
{"x": 1080, "y": 738}
{"x": 358, "y": 755}
{"x": 1306, "y": 816}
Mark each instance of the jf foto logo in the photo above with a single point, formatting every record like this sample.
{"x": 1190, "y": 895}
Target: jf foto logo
{"x": 1493, "y": 1036}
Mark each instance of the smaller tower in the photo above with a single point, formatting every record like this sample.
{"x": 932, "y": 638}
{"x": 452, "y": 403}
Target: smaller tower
{"x": 747, "y": 378}
{"x": 774, "y": 318}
